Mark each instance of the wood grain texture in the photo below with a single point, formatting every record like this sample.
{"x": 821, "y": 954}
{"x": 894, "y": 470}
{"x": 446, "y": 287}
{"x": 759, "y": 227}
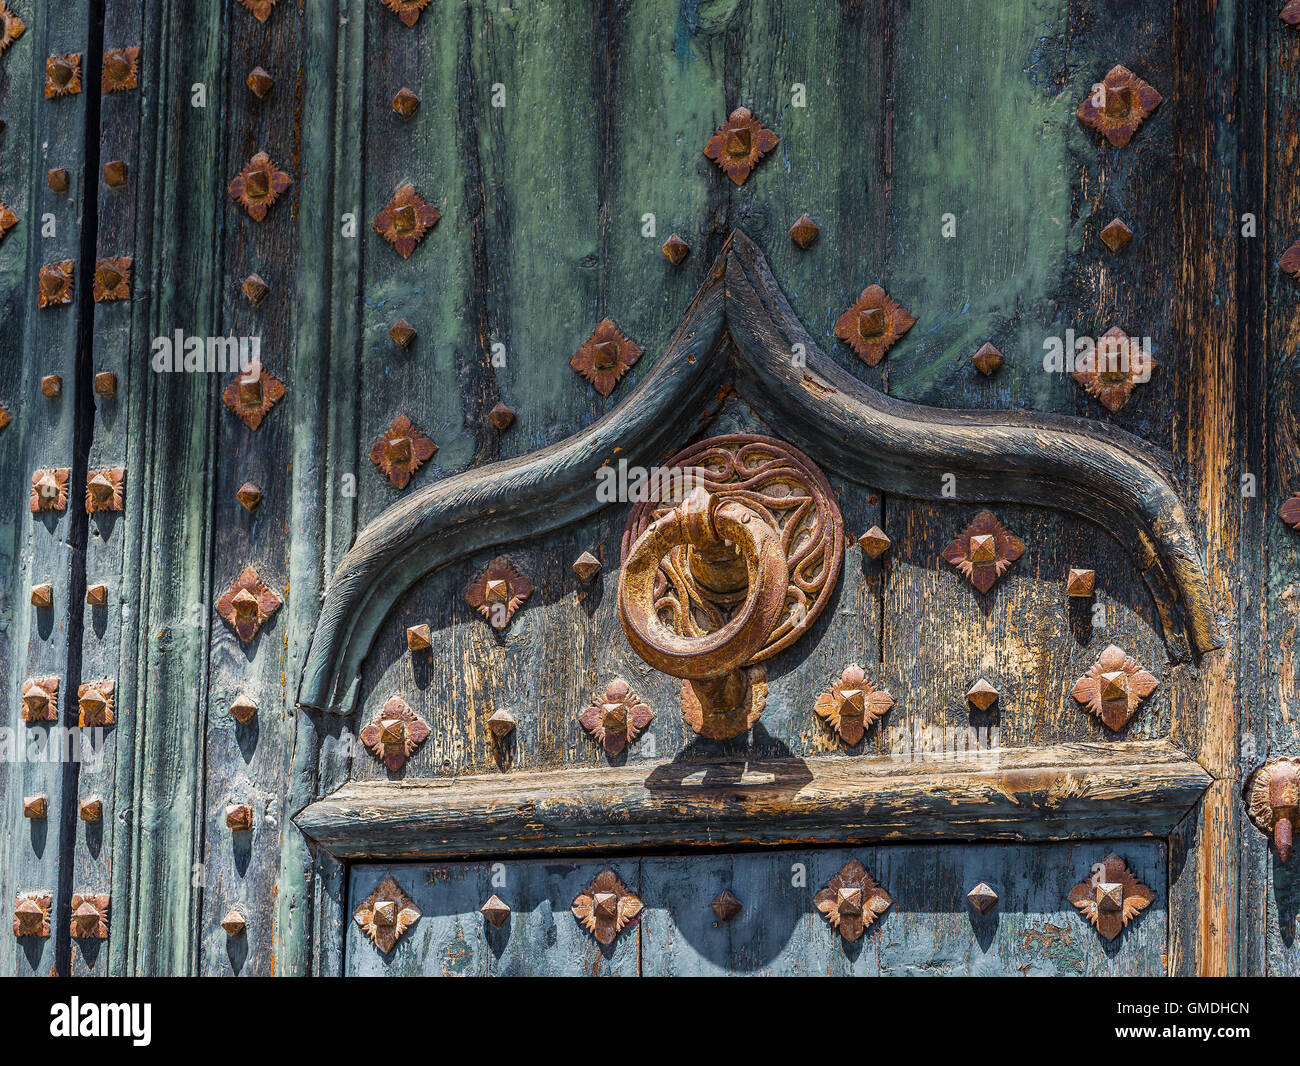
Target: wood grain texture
{"x": 1074, "y": 791}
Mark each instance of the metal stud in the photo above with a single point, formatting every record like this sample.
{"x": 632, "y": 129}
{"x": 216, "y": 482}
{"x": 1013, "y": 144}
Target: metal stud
{"x": 495, "y": 912}
{"x": 5, "y": 417}
{"x": 112, "y": 279}
{"x": 406, "y": 103}
{"x": 498, "y": 592}
{"x": 248, "y": 604}
{"x": 259, "y": 82}
{"x": 852, "y": 704}
{"x": 1114, "y": 368}
{"x": 982, "y": 695}
{"x": 95, "y": 703}
{"x": 405, "y": 219}
{"x": 37, "y": 807}
{"x": 32, "y": 909}
{"x": 255, "y": 289}
{"x": 852, "y": 901}
{"x": 418, "y": 638}
{"x": 243, "y": 709}
{"x": 725, "y": 906}
{"x": 239, "y": 817}
{"x": 43, "y": 596}
{"x": 675, "y": 250}
{"x": 605, "y": 356}
{"x": 252, "y": 394}
{"x": 90, "y": 916}
{"x": 987, "y": 360}
{"x": 259, "y": 185}
{"x": 104, "y": 489}
{"x": 52, "y": 386}
{"x": 63, "y": 75}
{"x": 395, "y": 733}
{"x": 874, "y": 542}
{"x": 233, "y": 923}
{"x": 1111, "y": 897}
{"x": 606, "y": 907}
{"x": 260, "y": 9}
{"x": 8, "y": 220}
{"x": 97, "y": 594}
{"x": 501, "y": 724}
{"x": 1115, "y": 235}
{"x": 115, "y": 173}
{"x": 58, "y": 180}
{"x": 91, "y": 809}
{"x": 1273, "y": 795}
{"x": 249, "y": 495}
{"x": 1117, "y": 106}
{"x": 41, "y": 699}
{"x": 739, "y": 144}
{"x": 11, "y": 27}
{"x": 121, "y": 69}
{"x": 402, "y": 333}
{"x": 406, "y": 10}
{"x": 386, "y": 914}
{"x": 982, "y": 897}
{"x": 50, "y": 490}
{"x": 502, "y": 417}
{"x": 1113, "y": 687}
{"x": 1079, "y": 583}
{"x": 54, "y": 285}
{"x": 586, "y": 566}
{"x": 401, "y": 451}
{"x": 1289, "y": 14}
{"x": 984, "y": 550}
{"x": 873, "y": 324}
{"x": 616, "y": 717}
{"x": 105, "y": 384}
{"x": 805, "y": 232}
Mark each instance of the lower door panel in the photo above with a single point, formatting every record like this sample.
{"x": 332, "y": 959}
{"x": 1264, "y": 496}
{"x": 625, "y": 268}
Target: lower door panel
{"x": 929, "y": 929}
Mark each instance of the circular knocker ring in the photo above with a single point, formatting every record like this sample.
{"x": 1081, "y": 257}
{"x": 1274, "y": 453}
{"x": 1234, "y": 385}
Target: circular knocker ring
{"x": 728, "y": 576}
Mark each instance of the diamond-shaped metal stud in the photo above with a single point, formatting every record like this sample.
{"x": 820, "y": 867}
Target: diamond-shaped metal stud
{"x": 606, "y": 907}
{"x": 233, "y": 923}
{"x": 982, "y": 898}
{"x": 1116, "y": 365}
{"x": 90, "y": 916}
{"x": 95, "y": 703}
{"x": 498, "y": 592}
{"x": 1290, "y": 511}
{"x": 259, "y": 82}
{"x": 54, "y": 284}
{"x": 105, "y": 384}
{"x": 605, "y": 356}
{"x": 43, "y": 596}
{"x": 32, "y": 909}
{"x": 91, "y": 810}
{"x": 805, "y": 232}
{"x": 616, "y": 717}
{"x": 501, "y": 724}
{"x": 982, "y": 695}
{"x": 11, "y": 27}
{"x": 58, "y": 180}
{"x": 115, "y": 173}
{"x": 405, "y": 219}
{"x": 1113, "y": 687}
{"x": 1111, "y": 896}
{"x": 874, "y": 542}
{"x": 260, "y": 9}
{"x": 1273, "y": 798}
{"x": 852, "y": 704}
{"x": 1115, "y": 235}
{"x": 586, "y": 566}
{"x": 984, "y": 550}
{"x": 395, "y": 733}
{"x": 104, "y": 489}
{"x": 259, "y": 185}
{"x": 406, "y": 103}
{"x": 252, "y": 394}
{"x": 5, "y": 417}
{"x": 419, "y": 638}
{"x": 121, "y": 69}
{"x": 63, "y": 75}
{"x": 41, "y": 699}
{"x": 852, "y": 901}
{"x": 675, "y": 250}
{"x": 495, "y": 912}
{"x": 37, "y": 807}
{"x": 249, "y": 496}
{"x": 49, "y": 490}
{"x": 248, "y": 604}
{"x": 8, "y": 220}
{"x": 239, "y": 817}
{"x": 401, "y": 451}
{"x": 502, "y": 417}
{"x": 402, "y": 333}
{"x": 725, "y": 906}
{"x": 52, "y": 386}
{"x": 739, "y": 144}
{"x": 97, "y": 594}
{"x": 1079, "y": 583}
{"x": 987, "y": 360}
{"x": 873, "y": 324}
{"x": 243, "y": 709}
{"x": 386, "y": 914}
{"x": 406, "y": 10}
{"x": 255, "y": 289}
{"x": 1117, "y": 106}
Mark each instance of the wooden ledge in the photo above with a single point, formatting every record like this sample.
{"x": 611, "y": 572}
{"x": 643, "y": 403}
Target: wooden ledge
{"x": 1066, "y": 792}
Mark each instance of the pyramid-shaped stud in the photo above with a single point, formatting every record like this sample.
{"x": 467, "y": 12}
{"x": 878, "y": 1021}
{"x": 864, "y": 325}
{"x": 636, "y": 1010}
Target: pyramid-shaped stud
{"x": 95, "y": 704}
{"x": 233, "y": 923}
{"x": 105, "y": 384}
{"x": 852, "y": 704}
{"x": 739, "y": 144}
{"x": 1111, "y": 896}
{"x": 605, "y": 356}
{"x": 1080, "y": 583}
{"x": 406, "y": 10}
{"x": 257, "y": 187}
{"x": 91, "y": 810}
{"x": 104, "y": 489}
{"x": 90, "y": 916}
{"x": 41, "y": 699}
{"x": 406, "y": 103}
{"x": 54, "y": 285}
{"x": 239, "y": 817}
{"x": 405, "y": 219}
{"x": 394, "y": 733}
{"x": 249, "y": 495}
{"x": 982, "y": 897}
{"x": 419, "y": 638}
{"x": 587, "y": 566}
{"x": 873, "y": 324}
{"x": 52, "y": 386}
{"x": 606, "y": 907}
{"x": 987, "y": 360}
{"x": 616, "y": 717}
{"x": 97, "y": 594}
{"x": 1113, "y": 687}
{"x": 259, "y": 82}
{"x": 115, "y": 173}
{"x": 248, "y": 604}
{"x": 984, "y": 550}
{"x": 252, "y": 394}
{"x": 852, "y": 901}
{"x": 725, "y": 906}
{"x": 1118, "y": 105}
{"x": 386, "y": 914}
{"x": 36, "y": 807}
{"x": 243, "y": 709}
{"x": 501, "y": 724}
{"x": 43, "y": 596}
{"x": 63, "y": 75}
{"x": 32, "y": 909}
{"x": 874, "y": 542}
{"x": 498, "y": 592}
{"x": 260, "y": 9}
{"x": 255, "y": 289}
{"x": 1114, "y": 368}
{"x": 982, "y": 695}
{"x": 121, "y": 69}
{"x": 49, "y": 490}
{"x": 8, "y": 220}
{"x": 675, "y": 250}
{"x": 5, "y": 417}
{"x": 1115, "y": 235}
{"x": 502, "y": 417}
{"x": 805, "y": 232}
{"x": 58, "y": 180}
{"x": 402, "y": 333}
{"x": 401, "y": 451}
{"x": 495, "y": 912}
{"x": 11, "y": 27}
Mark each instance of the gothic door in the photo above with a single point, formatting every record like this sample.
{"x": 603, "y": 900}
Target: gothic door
{"x": 650, "y": 488}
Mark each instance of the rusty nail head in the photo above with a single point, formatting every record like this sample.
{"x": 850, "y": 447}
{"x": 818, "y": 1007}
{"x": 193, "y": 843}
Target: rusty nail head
{"x": 97, "y": 594}
{"x": 501, "y": 723}
{"x": 52, "y": 386}
{"x": 43, "y": 596}
{"x": 874, "y": 542}
{"x": 36, "y": 807}
{"x": 239, "y": 817}
{"x": 805, "y": 232}
{"x": 402, "y": 333}
{"x": 58, "y": 180}
{"x": 405, "y": 103}
{"x": 115, "y": 174}
{"x": 92, "y": 809}
{"x": 501, "y": 416}
{"x": 987, "y": 360}
{"x": 106, "y": 384}
{"x": 242, "y": 709}
{"x": 586, "y": 566}
{"x": 675, "y": 250}
{"x": 254, "y": 289}
{"x": 982, "y": 694}
{"x": 418, "y": 638}
{"x": 233, "y": 923}
{"x": 260, "y": 82}
{"x": 249, "y": 495}
{"x": 1115, "y": 235}
{"x": 1080, "y": 583}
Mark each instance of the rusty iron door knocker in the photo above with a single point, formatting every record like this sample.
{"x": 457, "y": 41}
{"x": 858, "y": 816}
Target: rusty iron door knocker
{"x": 731, "y": 568}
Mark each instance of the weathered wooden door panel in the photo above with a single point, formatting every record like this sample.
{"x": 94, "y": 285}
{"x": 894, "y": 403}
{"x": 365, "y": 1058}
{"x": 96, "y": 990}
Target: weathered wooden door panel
{"x": 929, "y": 929}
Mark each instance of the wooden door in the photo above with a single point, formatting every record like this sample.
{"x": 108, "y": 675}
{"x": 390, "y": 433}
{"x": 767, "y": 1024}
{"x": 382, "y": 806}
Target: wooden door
{"x": 417, "y": 214}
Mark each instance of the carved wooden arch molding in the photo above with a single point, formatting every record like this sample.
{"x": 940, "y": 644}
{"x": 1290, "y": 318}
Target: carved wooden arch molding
{"x": 1093, "y": 470}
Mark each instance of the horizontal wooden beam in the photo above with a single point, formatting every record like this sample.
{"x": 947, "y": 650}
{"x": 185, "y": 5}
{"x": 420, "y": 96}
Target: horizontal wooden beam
{"x": 1066, "y": 792}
